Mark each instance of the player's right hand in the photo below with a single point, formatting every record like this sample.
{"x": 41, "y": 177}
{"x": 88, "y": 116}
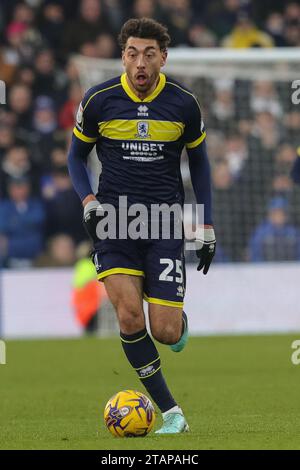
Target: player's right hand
{"x": 92, "y": 211}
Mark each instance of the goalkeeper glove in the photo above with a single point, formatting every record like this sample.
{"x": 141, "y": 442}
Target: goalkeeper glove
{"x": 205, "y": 248}
{"x": 92, "y": 211}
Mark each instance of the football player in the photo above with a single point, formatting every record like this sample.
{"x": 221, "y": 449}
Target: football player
{"x": 140, "y": 122}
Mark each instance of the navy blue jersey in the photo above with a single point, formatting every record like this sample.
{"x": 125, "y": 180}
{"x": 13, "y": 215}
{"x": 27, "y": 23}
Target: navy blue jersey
{"x": 139, "y": 142}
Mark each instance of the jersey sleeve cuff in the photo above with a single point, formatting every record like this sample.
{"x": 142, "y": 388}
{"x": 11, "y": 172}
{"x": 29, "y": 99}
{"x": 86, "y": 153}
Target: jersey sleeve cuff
{"x": 196, "y": 142}
{"x": 84, "y": 138}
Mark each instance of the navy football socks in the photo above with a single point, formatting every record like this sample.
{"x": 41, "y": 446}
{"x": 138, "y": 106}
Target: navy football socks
{"x": 144, "y": 358}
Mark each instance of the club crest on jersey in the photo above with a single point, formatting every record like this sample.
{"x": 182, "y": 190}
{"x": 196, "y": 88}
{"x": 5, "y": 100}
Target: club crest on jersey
{"x": 142, "y": 130}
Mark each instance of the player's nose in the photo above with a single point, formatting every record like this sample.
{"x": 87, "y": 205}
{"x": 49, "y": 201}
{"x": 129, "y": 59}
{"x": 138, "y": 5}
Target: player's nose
{"x": 140, "y": 62}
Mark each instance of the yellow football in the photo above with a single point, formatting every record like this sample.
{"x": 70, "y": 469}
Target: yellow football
{"x": 129, "y": 414}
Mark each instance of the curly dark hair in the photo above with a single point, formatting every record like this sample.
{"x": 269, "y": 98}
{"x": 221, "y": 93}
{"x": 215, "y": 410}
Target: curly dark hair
{"x": 145, "y": 28}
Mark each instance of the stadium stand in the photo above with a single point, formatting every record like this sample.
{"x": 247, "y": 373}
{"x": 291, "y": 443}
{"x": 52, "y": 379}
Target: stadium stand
{"x": 252, "y": 126}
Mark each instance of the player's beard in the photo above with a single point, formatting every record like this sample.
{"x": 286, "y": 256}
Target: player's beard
{"x": 143, "y": 85}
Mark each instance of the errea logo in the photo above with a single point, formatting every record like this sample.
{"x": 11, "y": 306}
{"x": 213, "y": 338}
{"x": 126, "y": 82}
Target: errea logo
{"x": 147, "y": 371}
{"x": 143, "y": 111}
{"x": 180, "y": 291}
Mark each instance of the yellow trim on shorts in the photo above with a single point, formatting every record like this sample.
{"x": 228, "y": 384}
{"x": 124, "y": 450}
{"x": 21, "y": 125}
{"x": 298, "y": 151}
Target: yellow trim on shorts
{"x": 167, "y": 303}
{"x": 132, "y": 272}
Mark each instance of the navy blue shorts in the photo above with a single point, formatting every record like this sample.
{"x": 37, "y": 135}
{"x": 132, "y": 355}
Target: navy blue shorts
{"x": 160, "y": 262}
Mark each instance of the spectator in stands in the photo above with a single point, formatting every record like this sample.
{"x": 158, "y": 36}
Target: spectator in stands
{"x": 245, "y": 34}
{"x": 49, "y": 79}
{"x": 292, "y": 24}
{"x": 177, "y": 16}
{"x": 143, "y": 9}
{"x": 52, "y": 24}
{"x": 275, "y": 28}
{"x": 15, "y": 36}
{"x": 20, "y": 103}
{"x": 7, "y": 140}
{"x": 266, "y": 132}
{"x": 225, "y": 196}
{"x": 23, "y": 13}
{"x": 275, "y": 239}
{"x": 60, "y": 252}
{"x": 21, "y": 225}
{"x": 58, "y": 160}
{"x": 90, "y": 22}
{"x": 68, "y": 111}
{"x": 236, "y": 154}
{"x": 106, "y": 47}
{"x": 292, "y": 12}
{"x": 284, "y": 158}
{"x": 44, "y": 126}
{"x": 16, "y": 164}
{"x": 282, "y": 184}
{"x": 26, "y": 76}
{"x": 222, "y": 18}
{"x": 256, "y": 175}
{"x": 88, "y": 49}
{"x": 44, "y": 116}
{"x": 22, "y": 36}
{"x": 63, "y": 208}
{"x": 223, "y": 106}
{"x": 200, "y": 35}
{"x": 116, "y": 11}
{"x": 265, "y": 98}
{"x": 291, "y": 127}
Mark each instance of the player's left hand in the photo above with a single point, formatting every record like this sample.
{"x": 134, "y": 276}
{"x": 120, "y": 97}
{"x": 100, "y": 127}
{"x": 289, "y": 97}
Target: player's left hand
{"x": 205, "y": 248}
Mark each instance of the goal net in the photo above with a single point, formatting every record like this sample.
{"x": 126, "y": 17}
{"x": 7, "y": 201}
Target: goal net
{"x": 253, "y": 128}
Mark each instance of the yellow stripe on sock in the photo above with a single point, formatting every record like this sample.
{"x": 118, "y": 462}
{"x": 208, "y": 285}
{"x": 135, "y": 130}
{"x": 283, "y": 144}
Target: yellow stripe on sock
{"x": 134, "y": 340}
{"x": 147, "y": 365}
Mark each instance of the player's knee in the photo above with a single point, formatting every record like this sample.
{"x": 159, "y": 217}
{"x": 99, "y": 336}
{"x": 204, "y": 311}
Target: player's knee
{"x": 131, "y": 319}
{"x": 166, "y": 334}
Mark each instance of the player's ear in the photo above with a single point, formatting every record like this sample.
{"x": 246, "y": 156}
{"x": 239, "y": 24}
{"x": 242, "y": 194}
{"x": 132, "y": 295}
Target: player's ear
{"x": 164, "y": 56}
{"x": 123, "y": 57}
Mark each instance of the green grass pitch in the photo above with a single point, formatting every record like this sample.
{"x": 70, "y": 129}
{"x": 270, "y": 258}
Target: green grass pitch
{"x": 237, "y": 393}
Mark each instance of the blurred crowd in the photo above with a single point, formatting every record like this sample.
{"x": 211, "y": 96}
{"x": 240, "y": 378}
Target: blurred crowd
{"x": 253, "y": 133}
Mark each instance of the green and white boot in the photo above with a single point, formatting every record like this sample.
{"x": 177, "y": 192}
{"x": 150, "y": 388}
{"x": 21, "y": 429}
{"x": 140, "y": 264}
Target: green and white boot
{"x": 173, "y": 423}
{"x": 177, "y": 347}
